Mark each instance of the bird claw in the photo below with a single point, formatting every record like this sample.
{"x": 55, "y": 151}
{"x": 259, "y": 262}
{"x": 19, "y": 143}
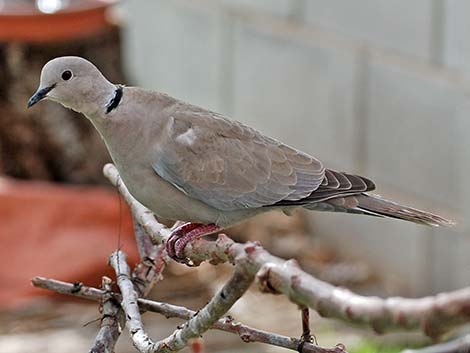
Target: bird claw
{"x": 177, "y": 234}
{"x": 184, "y": 234}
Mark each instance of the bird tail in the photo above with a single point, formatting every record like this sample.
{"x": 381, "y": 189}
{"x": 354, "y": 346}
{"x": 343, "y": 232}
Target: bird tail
{"x": 374, "y": 205}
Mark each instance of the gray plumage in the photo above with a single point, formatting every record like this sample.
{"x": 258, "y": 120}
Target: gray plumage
{"x": 188, "y": 163}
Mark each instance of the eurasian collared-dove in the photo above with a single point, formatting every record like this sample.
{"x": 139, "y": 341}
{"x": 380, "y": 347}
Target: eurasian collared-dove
{"x": 188, "y": 163}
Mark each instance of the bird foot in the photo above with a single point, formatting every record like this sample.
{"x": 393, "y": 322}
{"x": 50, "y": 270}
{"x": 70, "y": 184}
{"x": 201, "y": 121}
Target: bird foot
{"x": 184, "y": 234}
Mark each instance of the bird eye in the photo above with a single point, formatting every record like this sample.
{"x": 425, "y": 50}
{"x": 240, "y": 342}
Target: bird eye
{"x": 66, "y": 75}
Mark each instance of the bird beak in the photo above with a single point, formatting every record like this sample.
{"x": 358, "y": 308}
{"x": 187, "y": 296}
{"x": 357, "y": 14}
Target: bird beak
{"x": 39, "y": 95}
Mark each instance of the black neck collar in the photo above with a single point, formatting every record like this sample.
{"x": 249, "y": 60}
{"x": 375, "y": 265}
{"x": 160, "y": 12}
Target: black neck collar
{"x": 114, "y": 102}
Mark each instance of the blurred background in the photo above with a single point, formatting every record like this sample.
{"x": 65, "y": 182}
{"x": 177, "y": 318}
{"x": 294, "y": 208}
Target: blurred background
{"x": 374, "y": 87}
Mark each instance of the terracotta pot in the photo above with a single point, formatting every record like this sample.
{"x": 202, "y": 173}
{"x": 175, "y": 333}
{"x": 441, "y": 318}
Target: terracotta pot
{"x": 24, "y": 21}
{"x": 60, "y": 231}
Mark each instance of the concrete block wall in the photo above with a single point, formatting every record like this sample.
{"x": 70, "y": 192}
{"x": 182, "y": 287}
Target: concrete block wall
{"x": 372, "y": 86}
{"x": 406, "y": 26}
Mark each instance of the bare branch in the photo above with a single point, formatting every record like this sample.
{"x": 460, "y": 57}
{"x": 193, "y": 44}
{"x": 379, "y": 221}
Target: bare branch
{"x": 306, "y": 333}
{"x": 195, "y": 327}
{"x": 212, "y": 312}
{"x": 434, "y": 315}
{"x": 143, "y": 240}
{"x": 129, "y": 302}
{"x": 76, "y": 289}
{"x": 144, "y": 277}
{"x": 227, "y": 324}
{"x": 142, "y": 215}
{"x": 113, "y": 318}
{"x": 149, "y": 270}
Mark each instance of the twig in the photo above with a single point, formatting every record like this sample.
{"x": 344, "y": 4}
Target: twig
{"x": 434, "y": 315}
{"x": 212, "y": 312}
{"x": 149, "y": 270}
{"x": 227, "y": 324}
{"x": 141, "y": 214}
{"x": 306, "y": 333}
{"x": 144, "y": 277}
{"x": 113, "y": 317}
{"x": 129, "y": 301}
{"x": 144, "y": 243}
{"x": 195, "y": 327}
{"x": 458, "y": 345}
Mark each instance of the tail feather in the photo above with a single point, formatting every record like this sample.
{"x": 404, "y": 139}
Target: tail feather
{"x": 376, "y": 206}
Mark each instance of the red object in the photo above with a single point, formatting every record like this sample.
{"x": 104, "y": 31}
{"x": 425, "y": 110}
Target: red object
{"x": 183, "y": 235}
{"x": 26, "y": 23}
{"x": 58, "y": 231}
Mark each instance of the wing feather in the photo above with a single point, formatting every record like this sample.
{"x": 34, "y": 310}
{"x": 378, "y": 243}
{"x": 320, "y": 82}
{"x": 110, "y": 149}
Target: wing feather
{"x": 336, "y": 185}
{"x": 230, "y": 166}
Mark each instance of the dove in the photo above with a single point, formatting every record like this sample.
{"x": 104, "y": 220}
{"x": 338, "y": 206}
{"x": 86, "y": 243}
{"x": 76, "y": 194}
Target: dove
{"x": 188, "y": 163}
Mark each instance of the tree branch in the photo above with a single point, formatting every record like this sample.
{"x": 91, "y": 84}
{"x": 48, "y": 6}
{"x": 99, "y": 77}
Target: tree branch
{"x": 212, "y": 312}
{"x": 195, "y": 327}
{"x": 149, "y": 270}
{"x": 129, "y": 302}
{"x": 113, "y": 318}
{"x": 227, "y": 324}
{"x": 434, "y": 315}
{"x": 144, "y": 277}
{"x": 142, "y": 215}
{"x": 144, "y": 242}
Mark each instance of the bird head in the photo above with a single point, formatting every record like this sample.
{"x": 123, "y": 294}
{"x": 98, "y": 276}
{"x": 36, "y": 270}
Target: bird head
{"x": 73, "y": 82}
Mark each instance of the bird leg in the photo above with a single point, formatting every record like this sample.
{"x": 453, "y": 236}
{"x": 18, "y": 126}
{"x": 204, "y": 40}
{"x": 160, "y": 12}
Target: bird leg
{"x": 184, "y": 234}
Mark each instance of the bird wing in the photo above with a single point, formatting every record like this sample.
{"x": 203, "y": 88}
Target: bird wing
{"x": 334, "y": 185}
{"x": 228, "y": 165}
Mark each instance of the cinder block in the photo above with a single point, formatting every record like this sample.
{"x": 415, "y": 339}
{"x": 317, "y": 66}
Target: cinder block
{"x": 461, "y": 268}
{"x": 298, "y": 89}
{"x": 415, "y": 132}
{"x": 276, "y": 7}
{"x": 402, "y": 25}
{"x": 449, "y": 260}
{"x": 456, "y": 46}
{"x": 395, "y": 250}
{"x": 462, "y": 204}
{"x": 175, "y": 47}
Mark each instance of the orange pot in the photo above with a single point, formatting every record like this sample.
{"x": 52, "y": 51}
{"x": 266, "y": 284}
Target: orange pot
{"x": 58, "y": 231}
{"x": 26, "y": 23}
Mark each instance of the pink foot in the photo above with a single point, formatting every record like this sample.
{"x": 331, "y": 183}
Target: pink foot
{"x": 184, "y": 234}
{"x": 178, "y": 233}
